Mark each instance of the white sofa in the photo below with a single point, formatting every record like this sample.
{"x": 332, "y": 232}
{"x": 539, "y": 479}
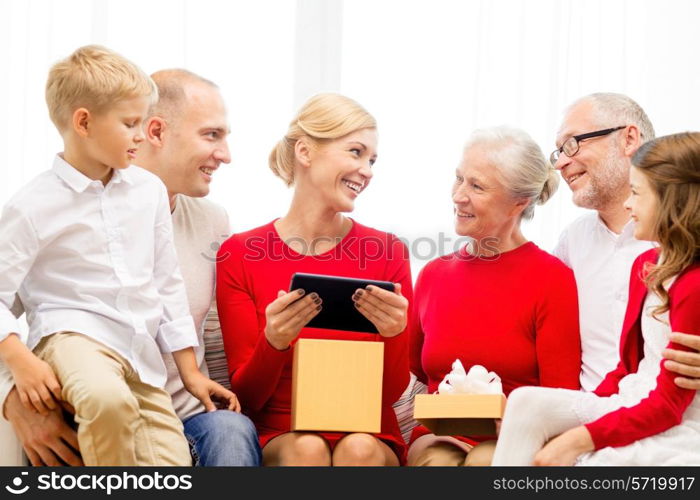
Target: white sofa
{"x": 10, "y": 450}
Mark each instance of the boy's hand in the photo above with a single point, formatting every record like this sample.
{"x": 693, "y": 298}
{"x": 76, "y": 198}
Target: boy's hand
{"x": 36, "y": 384}
{"x": 35, "y": 381}
{"x": 206, "y": 389}
{"x": 200, "y": 386}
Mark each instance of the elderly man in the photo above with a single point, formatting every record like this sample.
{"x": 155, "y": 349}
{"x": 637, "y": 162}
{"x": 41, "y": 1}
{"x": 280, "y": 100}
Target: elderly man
{"x": 598, "y": 137}
{"x": 185, "y": 144}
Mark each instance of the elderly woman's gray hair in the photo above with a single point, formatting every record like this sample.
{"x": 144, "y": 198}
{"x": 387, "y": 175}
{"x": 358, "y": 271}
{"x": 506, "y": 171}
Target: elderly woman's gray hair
{"x": 519, "y": 163}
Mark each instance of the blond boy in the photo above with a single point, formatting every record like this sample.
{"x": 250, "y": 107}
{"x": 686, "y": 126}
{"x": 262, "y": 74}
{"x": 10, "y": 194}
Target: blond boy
{"x": 87, "y": 247}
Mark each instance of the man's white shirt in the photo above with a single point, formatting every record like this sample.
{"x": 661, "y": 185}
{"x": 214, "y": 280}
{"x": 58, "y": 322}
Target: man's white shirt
{"x": 601, "y": 261}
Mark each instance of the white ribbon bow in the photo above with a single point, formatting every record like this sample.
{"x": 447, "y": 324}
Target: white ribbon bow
{"x": 478, "y": 381}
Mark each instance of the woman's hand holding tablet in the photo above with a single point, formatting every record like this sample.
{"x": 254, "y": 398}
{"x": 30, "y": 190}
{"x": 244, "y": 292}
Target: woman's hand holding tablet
{"x": 357, "y": 305}
{"x": 288, "y": 314}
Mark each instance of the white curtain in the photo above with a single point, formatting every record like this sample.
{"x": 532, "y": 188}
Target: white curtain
{"x": 247, "y": 48}
{"x": 430, "y": 71}
{"x": 434, "y": 71}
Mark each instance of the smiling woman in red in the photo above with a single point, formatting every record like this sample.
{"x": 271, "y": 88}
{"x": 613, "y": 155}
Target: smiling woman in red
{"x": 327, "y": 155}
{"x": 500, "y": 301}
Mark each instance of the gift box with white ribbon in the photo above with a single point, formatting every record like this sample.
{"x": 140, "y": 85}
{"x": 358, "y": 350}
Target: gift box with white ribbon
{"x": 467, "y": 404}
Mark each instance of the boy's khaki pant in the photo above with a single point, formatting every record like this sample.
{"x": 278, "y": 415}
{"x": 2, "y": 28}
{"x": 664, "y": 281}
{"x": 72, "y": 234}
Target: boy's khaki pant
{"x": 121, "y": 420}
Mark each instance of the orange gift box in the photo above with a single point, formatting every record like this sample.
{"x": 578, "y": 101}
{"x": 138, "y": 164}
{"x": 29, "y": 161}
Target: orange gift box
{"x": 337, "y": 386}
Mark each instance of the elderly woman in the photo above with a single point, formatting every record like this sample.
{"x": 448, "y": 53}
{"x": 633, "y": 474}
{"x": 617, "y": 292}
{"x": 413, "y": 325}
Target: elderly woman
{"x": 327, "y": 155}
{"x": 500, "y": 301}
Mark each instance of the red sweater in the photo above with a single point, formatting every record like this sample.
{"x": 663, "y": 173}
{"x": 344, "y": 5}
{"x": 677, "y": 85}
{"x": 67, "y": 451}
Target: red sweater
{"x": 664, "y": 406}
{"x": 516, "y": 315}
{"x": 252, "y": 267}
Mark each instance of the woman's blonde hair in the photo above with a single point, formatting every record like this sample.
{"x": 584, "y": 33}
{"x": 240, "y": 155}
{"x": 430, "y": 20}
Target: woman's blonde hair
{"x": 671, "y": 164}
{"x": 322, "y": 118}
{"x": 93, "y": 77}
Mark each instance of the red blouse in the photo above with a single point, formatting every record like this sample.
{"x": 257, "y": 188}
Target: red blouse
{"x": 515, "y": 314}
{"x": 252, "y": 267}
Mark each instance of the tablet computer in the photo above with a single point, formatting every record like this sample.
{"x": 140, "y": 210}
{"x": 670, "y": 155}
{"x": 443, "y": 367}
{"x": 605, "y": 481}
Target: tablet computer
{"x": 338, "y": 309}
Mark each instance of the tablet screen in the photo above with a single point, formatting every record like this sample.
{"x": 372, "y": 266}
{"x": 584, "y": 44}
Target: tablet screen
{"x": 338, "y": 312}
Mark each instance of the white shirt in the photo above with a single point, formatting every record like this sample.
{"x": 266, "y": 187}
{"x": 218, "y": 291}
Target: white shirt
{"x": 601, "y": 261}
{"x": 199, "y": 225}
{"x": 97, "y": 260}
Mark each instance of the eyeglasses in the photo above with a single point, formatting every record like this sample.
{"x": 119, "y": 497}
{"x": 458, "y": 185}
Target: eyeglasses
{"x": 571, "y": 145}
